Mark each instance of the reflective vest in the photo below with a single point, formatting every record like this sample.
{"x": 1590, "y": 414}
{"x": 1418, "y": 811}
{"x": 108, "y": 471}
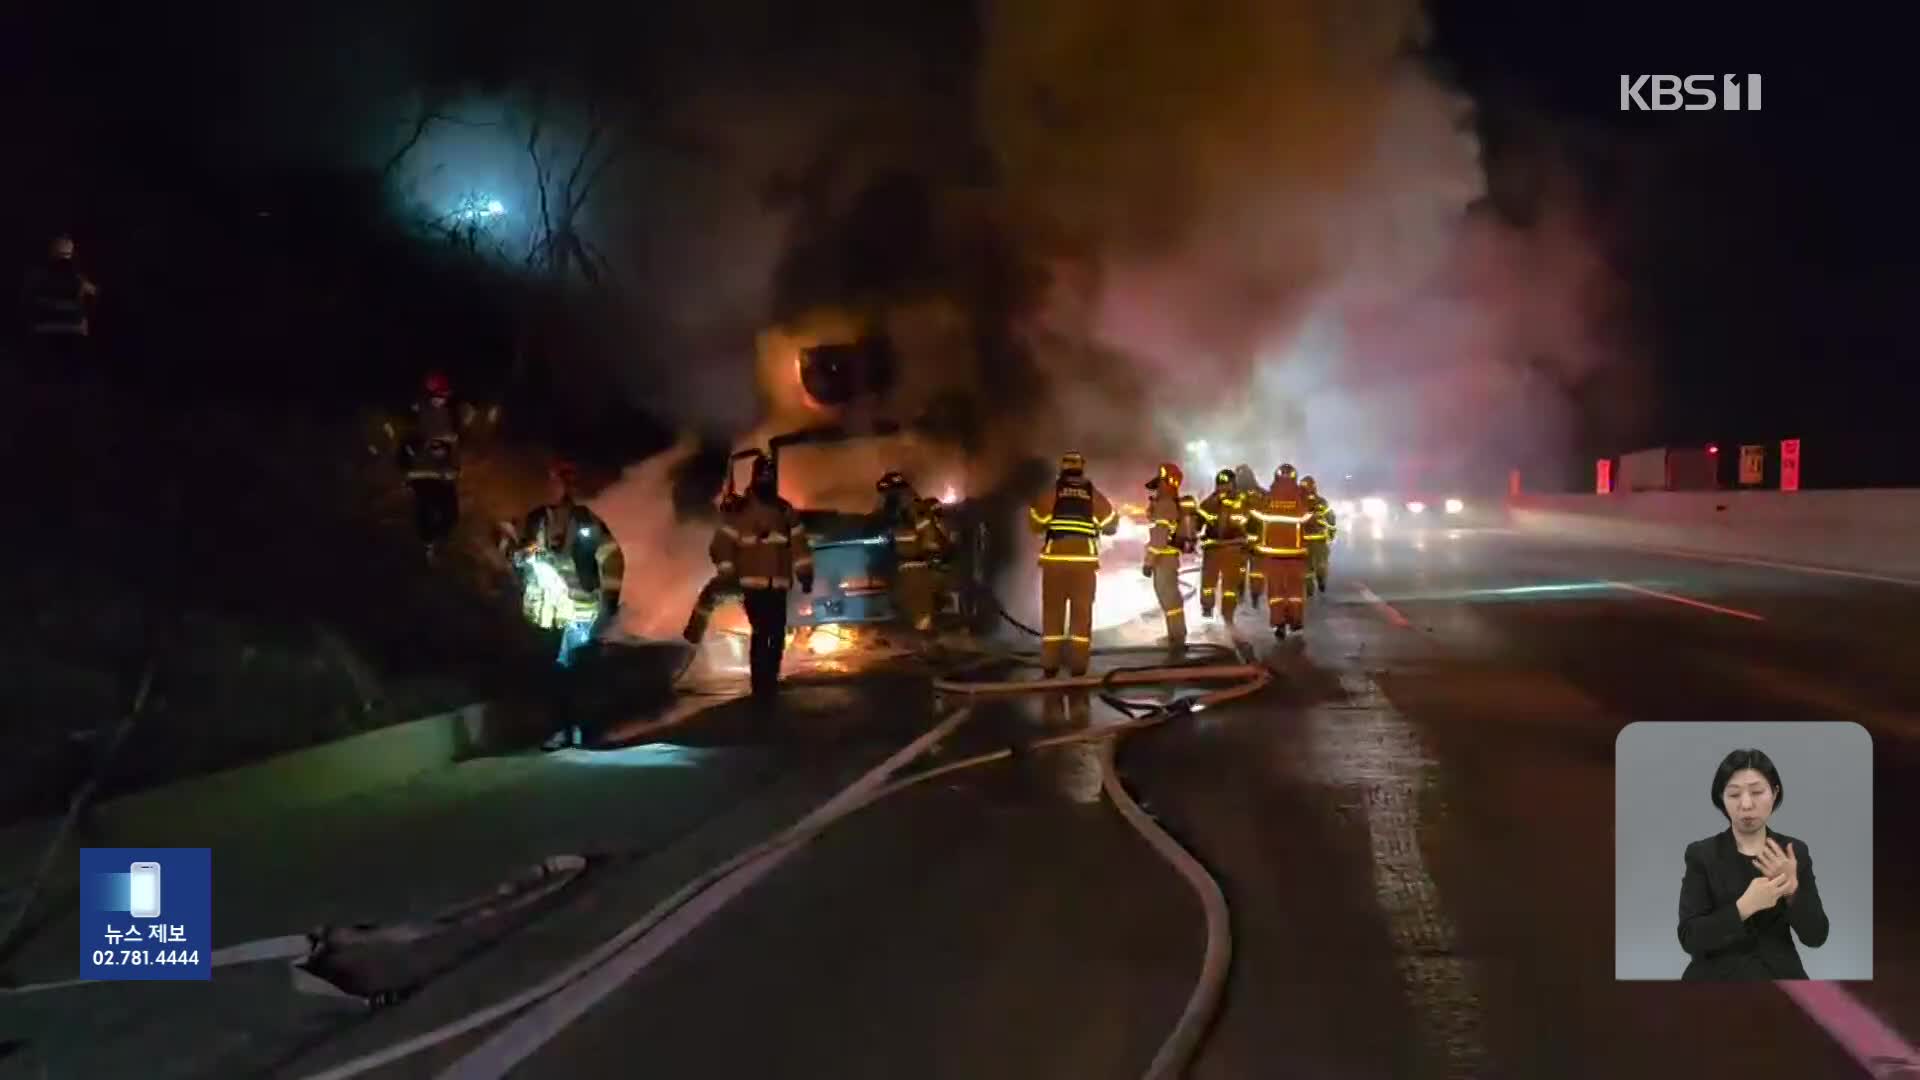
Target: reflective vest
{"x": 1072, "y": 517}
{"x": 571, "y": 560}
{"x": 1224, "y": 519}
{"x": 1279, "y": 522}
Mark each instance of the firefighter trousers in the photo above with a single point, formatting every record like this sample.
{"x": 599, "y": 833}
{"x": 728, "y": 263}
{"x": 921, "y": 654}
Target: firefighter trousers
{"x": 436, "y": 508}
{"x": 1166, "y": 588}
{"x": 1223, "y": 574}
{"x": 1066, "y": 614}
{"x": 916, "y": 593}
{"x": 1256, "y": 567}
{"x": 767, "y": 616}
{"x": 1317, "y": 561}
{"x": 1286, "y": 590}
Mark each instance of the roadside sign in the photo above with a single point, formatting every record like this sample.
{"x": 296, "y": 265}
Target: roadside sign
{"x": 1753, "y": 464}
{"x": 1603, "y": 476}
{"x": 1790, "y": 465}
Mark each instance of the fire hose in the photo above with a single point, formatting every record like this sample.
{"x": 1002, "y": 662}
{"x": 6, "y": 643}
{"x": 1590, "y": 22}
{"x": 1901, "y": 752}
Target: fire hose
{"x": 540, "y": 1012}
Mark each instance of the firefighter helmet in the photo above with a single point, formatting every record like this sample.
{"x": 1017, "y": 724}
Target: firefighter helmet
{"x": 1223, "y": 478}
{"x": 892, "y": 481}
{"x": 437, "y": 384}
{"x": 1284, "y": 472}
{"x": 1073, "y": 461}
{"x": 1307, "y": 483}
{"x": 61, "y": 247}
{"x": 762, "y": 475}
{"x": 1171, "y": 473}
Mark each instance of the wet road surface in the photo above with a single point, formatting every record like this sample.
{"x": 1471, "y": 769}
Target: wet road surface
{"x": 1413, "y": 829}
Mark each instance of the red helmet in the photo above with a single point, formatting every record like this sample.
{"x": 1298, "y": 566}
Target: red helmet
{"x": 437, "y": 384}
{"x": 1171, "y": 473}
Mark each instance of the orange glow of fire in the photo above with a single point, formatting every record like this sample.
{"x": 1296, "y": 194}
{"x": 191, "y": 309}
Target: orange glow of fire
{"x": 829, "y": 639}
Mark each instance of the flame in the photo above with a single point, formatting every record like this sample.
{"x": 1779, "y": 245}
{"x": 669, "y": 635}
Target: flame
{"x": 950, "y": 496}
{"x": 826, "y": 640}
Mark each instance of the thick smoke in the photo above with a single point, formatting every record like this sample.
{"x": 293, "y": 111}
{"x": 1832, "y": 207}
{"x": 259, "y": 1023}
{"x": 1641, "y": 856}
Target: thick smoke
{"x": 1266, "y": 214}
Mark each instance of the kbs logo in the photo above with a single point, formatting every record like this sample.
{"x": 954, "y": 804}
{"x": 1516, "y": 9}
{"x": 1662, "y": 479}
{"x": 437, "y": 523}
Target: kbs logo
{"x": 1694, "y": 93}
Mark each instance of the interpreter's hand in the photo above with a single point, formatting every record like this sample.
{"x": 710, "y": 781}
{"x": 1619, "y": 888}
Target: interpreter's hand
{"x": 1762, "y": 893}
{"x": 1775, "y": 861}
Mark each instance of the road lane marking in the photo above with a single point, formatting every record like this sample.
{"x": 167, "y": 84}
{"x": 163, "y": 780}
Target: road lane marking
{"x": 1701, "y": 604}
{"x": 1732, "y": 560}
{"x": 1392, "y": 613}
{"x": 1869, "y": 1039}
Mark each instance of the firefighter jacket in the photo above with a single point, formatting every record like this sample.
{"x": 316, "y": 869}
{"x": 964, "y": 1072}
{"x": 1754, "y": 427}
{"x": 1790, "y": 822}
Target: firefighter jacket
{"x": 433, "y": 451}
{"x": 1223, "y": 518}
{"x": 762, "y": 544}
{"x": 919, "y": 536}
{"x": 1072, "y": 517}
{"x": 56, "y": 298}
{"x": 1321, "y": 525}
{"x": 575, "y": 543}
{"x": 1279, "y": 520}
{"x": 1171, "y": 531}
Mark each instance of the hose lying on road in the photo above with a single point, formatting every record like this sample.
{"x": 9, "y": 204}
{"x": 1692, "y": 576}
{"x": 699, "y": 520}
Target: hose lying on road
{"x": 542, "y": 1011}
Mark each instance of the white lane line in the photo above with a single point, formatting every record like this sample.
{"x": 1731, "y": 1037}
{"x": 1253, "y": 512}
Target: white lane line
{"x": 1732, "y": 560}
{"x": 1701, "y": 604}
{"x": 1392, "y": 613}
{"x": 1871, "y": 1041}
{"x": 1798, "y": 568}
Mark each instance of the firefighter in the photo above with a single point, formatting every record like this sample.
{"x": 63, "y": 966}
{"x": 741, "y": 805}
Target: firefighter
{"x": 1279, "y": 519}
{"x": 573, "y": 569}
{"x": 1250, "y": 493}
{"x": 1223, "y": 546}
{"x": 761, "y": 547}
{"x": 1072, "y": 518}
{"x": 1319, "y": 534}
{"x": 919, "y": 539}
{"x": 1170, "y": 534}
{"x": 568, "y": 536}
{"x": 430, "y": 459}
{"x": 58, "y": 299}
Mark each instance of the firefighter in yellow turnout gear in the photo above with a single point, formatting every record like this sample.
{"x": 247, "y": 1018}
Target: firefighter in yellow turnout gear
{"x": 1171, "y": 534}
{"x": 761, "y": 548}
{"x": 919, "y": 540}
{"x": 1223, "y": 547}
{"x": 1251, "y": 493}
{"x": 1279, "y": 520}
{"x": 1072, "y": 518}
{"x": 1319, "y": 534}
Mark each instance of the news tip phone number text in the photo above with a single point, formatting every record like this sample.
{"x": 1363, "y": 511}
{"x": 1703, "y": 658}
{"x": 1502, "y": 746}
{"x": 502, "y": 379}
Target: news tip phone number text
{"x": 144, "y": 957}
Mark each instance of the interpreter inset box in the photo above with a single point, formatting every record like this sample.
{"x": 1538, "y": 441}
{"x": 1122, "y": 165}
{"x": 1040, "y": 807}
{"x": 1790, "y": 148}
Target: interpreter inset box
{"x": 1743, "y": 851}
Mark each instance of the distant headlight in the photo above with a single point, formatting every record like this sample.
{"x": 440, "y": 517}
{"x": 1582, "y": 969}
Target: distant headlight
{"x": 1374, "y": 507}
{"x": 1344, "y": 508}
{"x": 1455, "y": 506}
{"x": 1416, "y": 508}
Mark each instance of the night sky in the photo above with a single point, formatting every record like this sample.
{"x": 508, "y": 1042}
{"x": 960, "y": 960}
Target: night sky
{"x": 1761, "y": 263}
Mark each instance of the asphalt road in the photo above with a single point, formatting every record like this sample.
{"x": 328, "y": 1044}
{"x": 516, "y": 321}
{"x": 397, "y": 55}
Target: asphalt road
{"x": 1413, "y": 830}
{"x": 1412, "y": 827}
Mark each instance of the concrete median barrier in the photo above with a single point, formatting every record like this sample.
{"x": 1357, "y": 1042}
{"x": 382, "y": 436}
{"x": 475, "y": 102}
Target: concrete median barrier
{"x": 1869, "y": 532}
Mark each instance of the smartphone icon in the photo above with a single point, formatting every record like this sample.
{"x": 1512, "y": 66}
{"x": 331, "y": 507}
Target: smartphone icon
{"x": 144, "y": 893}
